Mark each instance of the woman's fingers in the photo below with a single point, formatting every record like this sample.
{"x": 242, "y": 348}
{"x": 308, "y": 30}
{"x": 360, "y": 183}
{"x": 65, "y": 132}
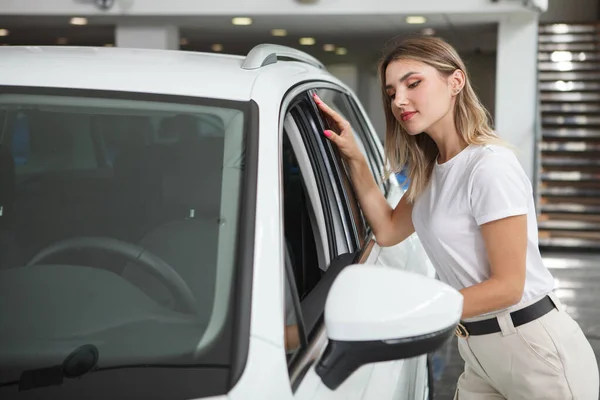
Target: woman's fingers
{"x": 338, "y": 119}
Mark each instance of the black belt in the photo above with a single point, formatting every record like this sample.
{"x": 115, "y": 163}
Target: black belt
{"x": 520, "y": 317}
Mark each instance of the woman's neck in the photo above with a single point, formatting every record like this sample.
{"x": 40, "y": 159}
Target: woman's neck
{"x": 447, "y": 139}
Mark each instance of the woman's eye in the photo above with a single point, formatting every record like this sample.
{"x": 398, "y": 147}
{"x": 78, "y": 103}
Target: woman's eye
{"x": 414, "y": 85}
{"x": 392, "y": 96}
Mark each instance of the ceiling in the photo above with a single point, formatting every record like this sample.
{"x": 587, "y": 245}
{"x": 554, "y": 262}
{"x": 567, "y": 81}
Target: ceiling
{"x": 362, "y": 36}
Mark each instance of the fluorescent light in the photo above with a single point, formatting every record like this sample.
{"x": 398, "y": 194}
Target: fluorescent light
{"x": 217, "y": 47}
{"x": 428, "y": 31}
{"x": 109, "y": 45}
{"x": 279, "y": 32}
{"x": 564, "y": 86}
{"x": 4, "y": 32}
{"x": 560, "y": 56}
{"x": 560, "y": 28}
{"x": 79, "y": 21}
{"x": 416, "y": 19}
{"x": 329, "y": 47}
{"x": 340, "y": 51}
{"x": 241, "y": 21}
{"x": 565, "y": 66}
{"x": 307, "y": 41}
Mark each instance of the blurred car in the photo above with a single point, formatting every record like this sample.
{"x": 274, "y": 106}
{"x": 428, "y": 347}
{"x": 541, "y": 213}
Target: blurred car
{"x": 167, "y": 217}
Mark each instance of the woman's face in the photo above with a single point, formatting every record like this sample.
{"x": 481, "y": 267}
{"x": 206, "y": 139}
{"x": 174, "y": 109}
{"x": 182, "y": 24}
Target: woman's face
{"x": 419, "y": 95}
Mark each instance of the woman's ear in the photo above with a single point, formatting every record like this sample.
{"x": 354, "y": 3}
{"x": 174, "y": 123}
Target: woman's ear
{"x": 457, "y": 81}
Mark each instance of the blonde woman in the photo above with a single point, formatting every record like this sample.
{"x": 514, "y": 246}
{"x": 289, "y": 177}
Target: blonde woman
{"x": 472, "y": 206}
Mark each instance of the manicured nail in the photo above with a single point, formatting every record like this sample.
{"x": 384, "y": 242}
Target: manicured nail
{"x": 317, "y": 99}
{"x": 327, "y": 133}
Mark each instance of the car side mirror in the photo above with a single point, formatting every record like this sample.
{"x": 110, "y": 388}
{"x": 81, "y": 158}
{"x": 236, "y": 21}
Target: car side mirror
{"x": 375, "y": 314}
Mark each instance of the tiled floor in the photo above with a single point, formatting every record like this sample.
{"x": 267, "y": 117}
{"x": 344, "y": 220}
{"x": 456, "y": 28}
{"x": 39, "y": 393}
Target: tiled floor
{"x": 578, "y": 287}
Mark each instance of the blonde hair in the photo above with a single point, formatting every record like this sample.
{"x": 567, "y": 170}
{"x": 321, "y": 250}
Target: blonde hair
{"x": 419, "y": 153}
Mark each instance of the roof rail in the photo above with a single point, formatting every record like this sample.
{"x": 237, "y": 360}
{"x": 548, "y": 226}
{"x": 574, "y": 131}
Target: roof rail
{"x": 265, "y": 54}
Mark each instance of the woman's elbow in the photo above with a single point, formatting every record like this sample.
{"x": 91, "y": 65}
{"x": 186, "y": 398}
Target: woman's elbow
{"x": 514, "y": 294}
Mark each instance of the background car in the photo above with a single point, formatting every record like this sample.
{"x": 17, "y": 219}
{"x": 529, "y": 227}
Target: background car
{"x": 169, "y": 219}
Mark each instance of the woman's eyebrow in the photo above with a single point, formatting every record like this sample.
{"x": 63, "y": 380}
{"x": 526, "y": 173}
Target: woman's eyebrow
{"x": 404, "y": 77}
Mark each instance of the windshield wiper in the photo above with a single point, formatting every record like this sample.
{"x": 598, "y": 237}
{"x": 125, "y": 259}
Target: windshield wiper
{"x": 81, "y": 361}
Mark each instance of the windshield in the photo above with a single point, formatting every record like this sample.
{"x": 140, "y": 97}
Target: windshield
{"x": 118, "y": 232}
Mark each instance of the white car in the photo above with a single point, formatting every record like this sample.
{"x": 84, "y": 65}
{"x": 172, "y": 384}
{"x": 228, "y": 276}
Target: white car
{"x": 174, "y": 225}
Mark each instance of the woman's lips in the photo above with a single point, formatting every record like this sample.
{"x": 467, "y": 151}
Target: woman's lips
{"x": 407, "y": 115}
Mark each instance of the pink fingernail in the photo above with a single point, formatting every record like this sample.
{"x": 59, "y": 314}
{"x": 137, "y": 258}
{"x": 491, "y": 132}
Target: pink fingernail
{"x": 327, "y": 133}
{"x": 317, "y": 99}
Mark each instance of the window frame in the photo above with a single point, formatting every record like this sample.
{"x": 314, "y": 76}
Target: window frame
{"x": 330, "y": 174}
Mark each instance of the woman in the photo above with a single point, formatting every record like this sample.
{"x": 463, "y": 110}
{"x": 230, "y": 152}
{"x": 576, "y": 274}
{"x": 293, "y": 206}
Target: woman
{"x": 472, "y": 206}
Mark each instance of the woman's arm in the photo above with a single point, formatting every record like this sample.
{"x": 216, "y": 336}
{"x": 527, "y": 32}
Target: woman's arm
{"x": 506, "y": 244}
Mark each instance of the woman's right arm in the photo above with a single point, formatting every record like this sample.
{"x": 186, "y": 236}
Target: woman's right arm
{"x": 390, "y": 226}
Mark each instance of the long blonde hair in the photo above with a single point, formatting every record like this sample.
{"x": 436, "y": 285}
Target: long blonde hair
{"x": 418, "y": 154}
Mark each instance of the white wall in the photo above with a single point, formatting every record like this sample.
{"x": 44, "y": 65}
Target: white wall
{"x": 256, "y": 7}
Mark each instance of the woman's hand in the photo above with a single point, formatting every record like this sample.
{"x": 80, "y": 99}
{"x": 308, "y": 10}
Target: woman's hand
{"x": 343, "y": 138}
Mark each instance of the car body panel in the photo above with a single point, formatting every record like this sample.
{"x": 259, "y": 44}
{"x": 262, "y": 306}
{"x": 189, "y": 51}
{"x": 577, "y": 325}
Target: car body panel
{"x": 193, "y": 74}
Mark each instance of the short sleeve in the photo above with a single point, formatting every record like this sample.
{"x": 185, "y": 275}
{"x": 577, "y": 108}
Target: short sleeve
{"x": 499, "y": 189}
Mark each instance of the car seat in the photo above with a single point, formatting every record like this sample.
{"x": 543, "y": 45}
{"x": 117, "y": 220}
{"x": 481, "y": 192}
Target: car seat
{"x": 187, "y": 236}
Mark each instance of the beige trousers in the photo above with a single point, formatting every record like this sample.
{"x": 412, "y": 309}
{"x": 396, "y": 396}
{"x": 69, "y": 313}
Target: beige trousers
{"x": 549, "y": 358}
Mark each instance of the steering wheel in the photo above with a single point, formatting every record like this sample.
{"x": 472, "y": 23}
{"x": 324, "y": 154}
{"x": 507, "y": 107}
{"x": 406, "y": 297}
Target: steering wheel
{"x": 184, "y": 299}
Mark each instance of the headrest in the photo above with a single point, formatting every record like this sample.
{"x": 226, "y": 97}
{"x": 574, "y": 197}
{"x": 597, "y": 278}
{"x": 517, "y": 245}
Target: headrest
{"x": 179, "y": 128}
{"x": 193, "y": 176}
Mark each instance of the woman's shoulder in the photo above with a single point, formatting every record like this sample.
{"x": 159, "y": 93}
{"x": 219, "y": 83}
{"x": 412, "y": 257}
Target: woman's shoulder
{"x": 489, "y": 160}
{"x": 492, "y": 153}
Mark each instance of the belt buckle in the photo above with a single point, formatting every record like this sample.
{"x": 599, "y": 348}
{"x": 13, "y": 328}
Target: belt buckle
{"x": 461, "y": 331}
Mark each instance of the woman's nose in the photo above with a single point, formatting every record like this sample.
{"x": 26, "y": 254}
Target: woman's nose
{"x": 400, "y": 100}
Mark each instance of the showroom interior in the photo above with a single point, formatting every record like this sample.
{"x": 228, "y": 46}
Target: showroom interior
{"x": 534, "y": 64}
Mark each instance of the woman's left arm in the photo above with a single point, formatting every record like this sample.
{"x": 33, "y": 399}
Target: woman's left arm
{"x": 506, "y": 244}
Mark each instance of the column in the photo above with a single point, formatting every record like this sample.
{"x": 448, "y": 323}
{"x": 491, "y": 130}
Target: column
{"x": 516, "y": 116}
{"x": 147, "y": 36}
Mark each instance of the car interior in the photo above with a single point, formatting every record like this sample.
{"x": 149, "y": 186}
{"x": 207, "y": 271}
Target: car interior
{"x": 139, "y": 196}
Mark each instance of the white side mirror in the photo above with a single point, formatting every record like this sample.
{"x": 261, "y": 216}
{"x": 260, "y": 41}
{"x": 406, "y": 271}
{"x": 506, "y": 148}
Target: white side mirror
{"x": 375, "y": 314}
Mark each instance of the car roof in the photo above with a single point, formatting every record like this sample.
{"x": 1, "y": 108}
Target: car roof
{"x": 171, "y": 72}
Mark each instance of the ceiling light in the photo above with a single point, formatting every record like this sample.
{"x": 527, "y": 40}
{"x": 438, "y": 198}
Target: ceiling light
{"x": 416, "y": 19}
{"x": 109, "y": 45}
{"x": 328, "y": 47}
{"x": 560, "y": 28}
{"x": 428, "y": 31}
{"x": 241, "y": 21}
{"x": 307, "y": 41}
{"x": 217, "y": 47}
{"x": 564, "y": 66}
{"x": 79, "y": 21}
{"x": 183, "y": 42}
{"x": 279, "y": 32}
{"x": 560, "y": 56}
{"x": 340, "y": 51}
{"x": 4, "y": 32}
{"x": 62, "y": 40}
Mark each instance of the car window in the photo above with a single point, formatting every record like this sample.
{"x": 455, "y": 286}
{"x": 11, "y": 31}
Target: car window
{"x": 346, "y": 107}
{"x": 125, "y": 211}
{"x": 308, "y": 157}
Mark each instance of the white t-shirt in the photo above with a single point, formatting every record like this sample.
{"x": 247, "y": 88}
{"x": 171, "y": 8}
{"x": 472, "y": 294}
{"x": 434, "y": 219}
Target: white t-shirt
{"x": 482, "y": 183}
